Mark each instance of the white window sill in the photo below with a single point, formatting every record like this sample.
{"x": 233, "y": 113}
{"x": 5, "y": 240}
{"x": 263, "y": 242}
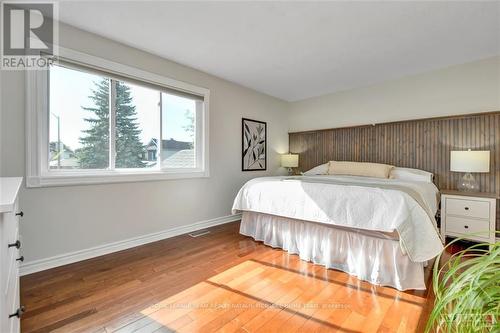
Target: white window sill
{"x": 73, "y": 178}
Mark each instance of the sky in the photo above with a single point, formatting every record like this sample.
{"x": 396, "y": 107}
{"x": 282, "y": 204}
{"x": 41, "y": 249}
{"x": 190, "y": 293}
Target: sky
{"x": 69, "y": 91}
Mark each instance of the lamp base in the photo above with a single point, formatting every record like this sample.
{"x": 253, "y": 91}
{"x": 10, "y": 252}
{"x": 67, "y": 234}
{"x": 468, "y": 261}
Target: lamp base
{"x": 468, "y": 184}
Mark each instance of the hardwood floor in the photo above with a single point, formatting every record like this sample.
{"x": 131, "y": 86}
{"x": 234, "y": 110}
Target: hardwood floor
{"x": 220, "y": 282}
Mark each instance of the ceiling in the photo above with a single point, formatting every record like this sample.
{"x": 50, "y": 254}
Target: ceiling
{"x": 297, "y": 50}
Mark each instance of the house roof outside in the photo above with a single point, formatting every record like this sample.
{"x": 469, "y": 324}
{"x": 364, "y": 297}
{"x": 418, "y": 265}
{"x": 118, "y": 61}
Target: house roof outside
{"x": 170, "y": 144}
{"x": 66, "y": 163}
{"x": 178, "y": 154}
{"x": 182, "y": 159}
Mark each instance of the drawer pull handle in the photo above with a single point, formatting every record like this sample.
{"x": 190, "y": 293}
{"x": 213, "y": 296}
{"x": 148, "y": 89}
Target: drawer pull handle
{"x": 21, "y": 213}
{"x": 18, "y": 313}
{"x": 17, "y": 244}
{"x": 466, "y": 208}
{"x": 21, "y": 259}
{"x": 466, "y": 226}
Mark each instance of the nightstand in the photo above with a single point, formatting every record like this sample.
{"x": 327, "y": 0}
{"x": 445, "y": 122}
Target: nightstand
{"x": 464, "y": 213}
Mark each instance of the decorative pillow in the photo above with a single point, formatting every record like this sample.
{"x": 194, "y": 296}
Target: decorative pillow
{"x": 321, "y": 169}
{"x": 411, "y": 175}
{"x": 364, "y": 169}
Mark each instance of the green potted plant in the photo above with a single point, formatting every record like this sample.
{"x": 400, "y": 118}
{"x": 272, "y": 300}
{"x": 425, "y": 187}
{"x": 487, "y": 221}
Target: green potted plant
{"x": 467, "y": 291}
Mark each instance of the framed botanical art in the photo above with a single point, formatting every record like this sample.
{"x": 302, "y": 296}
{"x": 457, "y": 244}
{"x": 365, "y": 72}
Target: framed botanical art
{"x": 254, "y": 145}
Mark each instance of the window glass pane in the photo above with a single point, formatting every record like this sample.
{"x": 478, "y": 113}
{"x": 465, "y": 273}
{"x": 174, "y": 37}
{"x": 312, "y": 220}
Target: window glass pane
{"x": 151, "y": 129}
{"x": 137, "y": 126}
{"x": 78, "y": 120}
{"x": 178, "y": 132}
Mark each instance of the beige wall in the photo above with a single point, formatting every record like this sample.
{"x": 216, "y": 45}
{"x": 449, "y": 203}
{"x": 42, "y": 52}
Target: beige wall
{"x": 462, "y": 89}
{"x": 59, "y": 220}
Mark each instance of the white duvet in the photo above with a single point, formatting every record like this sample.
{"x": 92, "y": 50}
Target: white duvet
{"x": 358, "y": 204}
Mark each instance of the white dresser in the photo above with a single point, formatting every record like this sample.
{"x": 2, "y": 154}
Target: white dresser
{"x": 468, "y": 215}
{"x": 10, "y": 309}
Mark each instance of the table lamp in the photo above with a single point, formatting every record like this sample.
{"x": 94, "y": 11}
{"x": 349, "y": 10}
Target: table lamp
{"x": 290, "y": 161}
{"x": 469, "y": 161}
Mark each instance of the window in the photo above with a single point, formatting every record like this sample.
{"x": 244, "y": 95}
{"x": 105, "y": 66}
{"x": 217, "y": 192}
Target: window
{"x": 78, "y": 120}
{"x": 105, "y": 122}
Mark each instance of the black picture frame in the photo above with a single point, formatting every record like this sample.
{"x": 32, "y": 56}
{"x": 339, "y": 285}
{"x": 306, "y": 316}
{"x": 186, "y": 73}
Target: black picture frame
{"x": 249, "y": 162}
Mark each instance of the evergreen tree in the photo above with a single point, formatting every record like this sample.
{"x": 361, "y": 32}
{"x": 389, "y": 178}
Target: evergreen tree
{"x": 129, "y": 147}
{"x": 95, "y": 150}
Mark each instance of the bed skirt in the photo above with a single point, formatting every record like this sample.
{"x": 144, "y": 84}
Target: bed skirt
{"x": 370, "y": 257}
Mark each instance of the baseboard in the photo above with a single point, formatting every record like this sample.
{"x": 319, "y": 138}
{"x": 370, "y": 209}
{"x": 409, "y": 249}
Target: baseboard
{"x": 72, "y": 257}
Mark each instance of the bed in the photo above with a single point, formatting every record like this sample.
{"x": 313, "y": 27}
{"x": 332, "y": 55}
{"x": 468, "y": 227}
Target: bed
{"x": 380, "y": 230}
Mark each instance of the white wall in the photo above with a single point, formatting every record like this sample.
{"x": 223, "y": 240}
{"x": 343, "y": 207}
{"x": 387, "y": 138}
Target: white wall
{"x": 64, "y": 219}
{"x": 468, "y": 88}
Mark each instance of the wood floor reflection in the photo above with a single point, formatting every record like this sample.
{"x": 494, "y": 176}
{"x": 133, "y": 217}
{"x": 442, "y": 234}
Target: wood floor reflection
{"x": 221, "y": 282}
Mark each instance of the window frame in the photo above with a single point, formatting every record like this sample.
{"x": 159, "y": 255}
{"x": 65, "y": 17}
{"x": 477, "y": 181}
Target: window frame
{"x": 38, "y": 173}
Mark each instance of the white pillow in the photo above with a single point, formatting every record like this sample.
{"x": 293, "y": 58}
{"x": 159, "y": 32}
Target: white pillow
{"x": 321, "y": 169}
{"x": 411, "y": 175}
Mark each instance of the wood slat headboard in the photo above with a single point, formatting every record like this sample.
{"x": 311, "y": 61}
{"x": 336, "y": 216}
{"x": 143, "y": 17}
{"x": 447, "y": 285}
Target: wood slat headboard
{"x": 422, "y": 144}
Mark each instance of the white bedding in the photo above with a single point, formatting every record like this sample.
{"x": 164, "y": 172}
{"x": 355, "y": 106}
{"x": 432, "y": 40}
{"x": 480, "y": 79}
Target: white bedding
{"x": 359, "y": 205}
{"x": 368, "y": 255}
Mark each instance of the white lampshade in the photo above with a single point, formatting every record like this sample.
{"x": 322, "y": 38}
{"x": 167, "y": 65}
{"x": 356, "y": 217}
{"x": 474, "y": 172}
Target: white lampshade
{"x": 470, "y": 161}
{"x": 289, "y": 160}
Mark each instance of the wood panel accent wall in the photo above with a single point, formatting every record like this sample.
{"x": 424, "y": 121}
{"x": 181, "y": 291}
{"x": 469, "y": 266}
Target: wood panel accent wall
{"x": 422, "y": 144}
